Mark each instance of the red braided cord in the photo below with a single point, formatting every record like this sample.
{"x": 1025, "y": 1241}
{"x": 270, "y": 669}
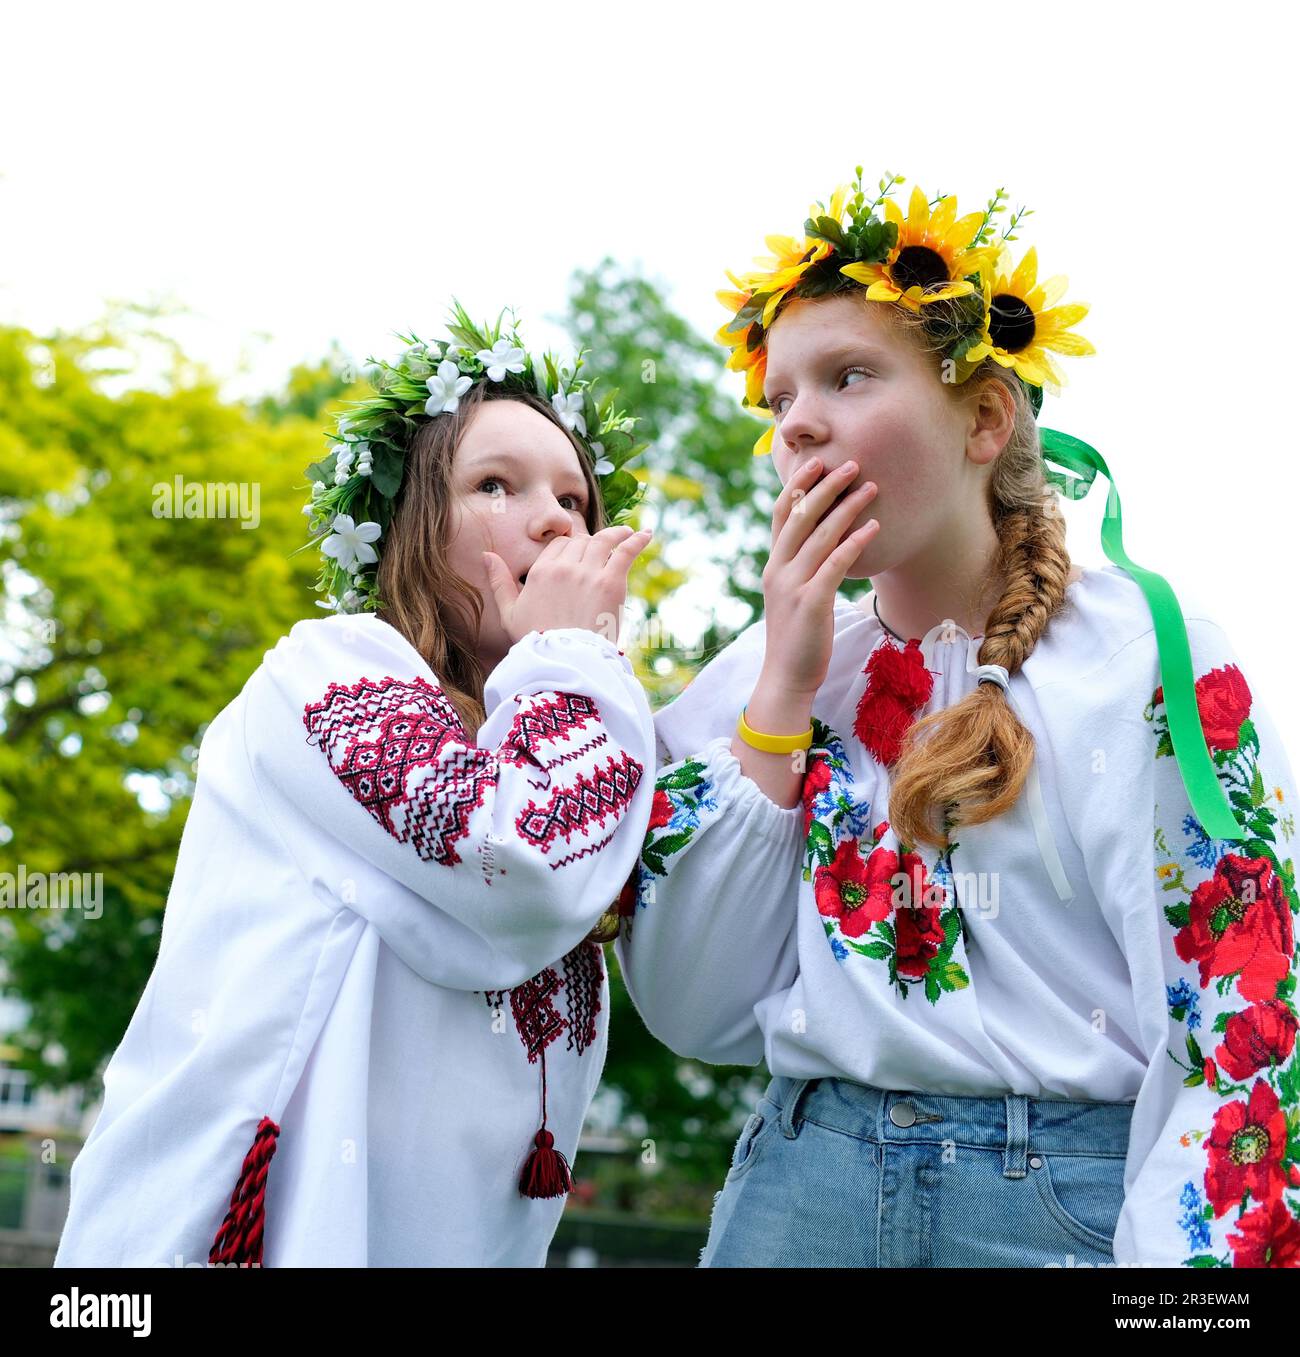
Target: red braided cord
{"x": 239, "y": 1240}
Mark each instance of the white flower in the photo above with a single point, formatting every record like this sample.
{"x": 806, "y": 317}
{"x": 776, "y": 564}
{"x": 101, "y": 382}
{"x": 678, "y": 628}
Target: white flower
{"x": 350, "y": 542}
{"x": 344, "y": 426}
{"x": 452, "y": 351}
{"x": 501, "y": 358}
{"x": 350, "y": 602}
{"x": 445, "y": 389}
{"x": 365, "y": 459}
{"x": 318, "y": 488}
{"x": 626, "y": 425}
{"x": 569, "y": 409}
{"x": 603, "y": 465}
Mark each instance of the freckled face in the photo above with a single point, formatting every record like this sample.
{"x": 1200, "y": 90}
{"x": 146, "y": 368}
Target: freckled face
{"x": 517, "y": 486}
{"x": 844, "y": 385}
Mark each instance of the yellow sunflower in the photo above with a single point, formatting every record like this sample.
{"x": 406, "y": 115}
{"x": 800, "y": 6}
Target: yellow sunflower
{"x": 776, "y": 275}
{"x": 1022, "y": 320}
{"x": 736, "y": 340}
{"x": 930, "y": 258}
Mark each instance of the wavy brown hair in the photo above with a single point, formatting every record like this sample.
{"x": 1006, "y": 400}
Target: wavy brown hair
{"x": 436, "y": 609}
{"x": 967, "y": 763}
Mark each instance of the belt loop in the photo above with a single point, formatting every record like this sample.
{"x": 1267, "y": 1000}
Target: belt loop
{"x": 1013, "y": 1161}
{"x": 794, "y": 1092}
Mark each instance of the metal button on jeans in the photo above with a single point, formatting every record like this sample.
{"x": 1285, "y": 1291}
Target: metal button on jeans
{"x": 1035, "y": 1162}
{"x": 902, "y": 1114}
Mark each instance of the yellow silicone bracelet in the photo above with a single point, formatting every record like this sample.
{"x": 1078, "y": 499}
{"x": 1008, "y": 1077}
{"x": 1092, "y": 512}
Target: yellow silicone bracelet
{"x": 772, "y": 744}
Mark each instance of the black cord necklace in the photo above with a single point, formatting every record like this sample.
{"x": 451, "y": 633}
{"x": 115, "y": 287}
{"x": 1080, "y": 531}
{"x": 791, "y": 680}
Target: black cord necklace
{"x": 875, "y": 605}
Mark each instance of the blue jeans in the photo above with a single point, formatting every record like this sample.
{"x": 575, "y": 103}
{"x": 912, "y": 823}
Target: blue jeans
{"x": 832, "y": 1173}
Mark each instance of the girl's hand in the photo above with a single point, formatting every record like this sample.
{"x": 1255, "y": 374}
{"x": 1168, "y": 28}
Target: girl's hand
{"x": 806, "y": 566}
{"x": 575, "y": 582}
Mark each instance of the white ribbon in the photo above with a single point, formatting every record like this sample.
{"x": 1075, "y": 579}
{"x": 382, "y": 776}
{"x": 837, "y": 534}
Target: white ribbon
{"x": 995, "y": 673}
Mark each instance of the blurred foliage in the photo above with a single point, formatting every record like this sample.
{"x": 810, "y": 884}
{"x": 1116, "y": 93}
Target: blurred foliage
{"x": 126, "y": 632}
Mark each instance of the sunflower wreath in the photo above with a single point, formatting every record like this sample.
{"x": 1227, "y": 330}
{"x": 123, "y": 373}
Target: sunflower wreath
{"x": 950, "y": 271}
{"x": 354, "y": 488}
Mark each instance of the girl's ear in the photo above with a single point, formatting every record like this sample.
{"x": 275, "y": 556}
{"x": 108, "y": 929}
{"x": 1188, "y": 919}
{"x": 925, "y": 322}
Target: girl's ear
{"x": 992, "y": 420}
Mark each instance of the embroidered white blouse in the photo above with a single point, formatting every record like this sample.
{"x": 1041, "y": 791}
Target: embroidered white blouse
{"x": 1109, "y": 952}
{"x": 357, "y": 887}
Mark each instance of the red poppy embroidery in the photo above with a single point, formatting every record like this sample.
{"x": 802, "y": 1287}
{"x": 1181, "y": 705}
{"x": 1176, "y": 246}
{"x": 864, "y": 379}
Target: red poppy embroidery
{"x": 1236, "y": 926}
{"x": 661, "y": 810}
{"x": 898, "y": 686}
{"x": 816, "y": 782}
{"x": 1223, "y": 699}
{"x": 1246, "y": 1148}
{"x": 1240, "y": 924}
{"x": 1268, "y": 1236}
{"x": 1256, "y": 1039}
{"x": 921, "y": 938}
{"x": 856, "y": 894}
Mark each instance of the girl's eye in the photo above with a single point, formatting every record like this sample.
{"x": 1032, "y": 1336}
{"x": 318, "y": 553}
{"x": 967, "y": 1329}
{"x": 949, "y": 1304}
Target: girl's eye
{"x": 777, "y": 406}
{"x": 500, "y": 484}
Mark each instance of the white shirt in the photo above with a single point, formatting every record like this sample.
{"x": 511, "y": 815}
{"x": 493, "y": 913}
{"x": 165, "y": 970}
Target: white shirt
{"x": 356, "y": 884}
{"x": 747, "y": 943}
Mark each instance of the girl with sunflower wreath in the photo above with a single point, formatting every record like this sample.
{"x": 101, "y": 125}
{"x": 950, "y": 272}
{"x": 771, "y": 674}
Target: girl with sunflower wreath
{"x": 994, "y": 870}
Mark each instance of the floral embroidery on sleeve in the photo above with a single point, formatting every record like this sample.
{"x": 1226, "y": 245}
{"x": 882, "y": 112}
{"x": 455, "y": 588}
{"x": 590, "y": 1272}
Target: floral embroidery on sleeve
{"x": 684, "y": 797}
{"x": 885, "y": 905}
{"x": 1233, "y": 925}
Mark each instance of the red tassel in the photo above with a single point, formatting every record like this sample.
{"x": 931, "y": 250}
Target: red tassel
{"x": 546, "y": 1170}
{"x": 898, "y": 686}
{"x": 239, "y": 1240}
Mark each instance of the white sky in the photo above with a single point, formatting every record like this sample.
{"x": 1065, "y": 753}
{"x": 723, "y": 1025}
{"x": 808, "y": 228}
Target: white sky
{"x": 299, "y": 173}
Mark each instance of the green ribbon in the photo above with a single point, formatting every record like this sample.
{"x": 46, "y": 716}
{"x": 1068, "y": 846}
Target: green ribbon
{"x": 1079, "y": 463}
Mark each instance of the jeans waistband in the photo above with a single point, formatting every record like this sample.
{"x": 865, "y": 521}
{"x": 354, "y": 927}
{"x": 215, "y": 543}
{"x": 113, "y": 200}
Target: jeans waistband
{"x": 1012, "y": 1122}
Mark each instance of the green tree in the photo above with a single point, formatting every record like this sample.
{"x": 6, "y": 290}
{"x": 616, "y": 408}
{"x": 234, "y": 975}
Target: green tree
{"x": 125, "y": 633}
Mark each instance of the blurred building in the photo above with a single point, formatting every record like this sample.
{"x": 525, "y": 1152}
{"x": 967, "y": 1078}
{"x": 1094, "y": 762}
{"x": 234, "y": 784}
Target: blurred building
{"x": 40, "y": 1131}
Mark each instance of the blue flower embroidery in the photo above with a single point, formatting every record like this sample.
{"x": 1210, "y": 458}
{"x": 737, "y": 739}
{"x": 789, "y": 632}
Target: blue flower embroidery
{"x": 1192, "y": 1222}
{"x": 1183, "y": 998}
{"x": 1203, "y": 850}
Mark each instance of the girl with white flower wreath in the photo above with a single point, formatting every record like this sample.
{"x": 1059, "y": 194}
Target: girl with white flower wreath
{"x": 995, "y": 868}
{"x": 379, "y": 1009}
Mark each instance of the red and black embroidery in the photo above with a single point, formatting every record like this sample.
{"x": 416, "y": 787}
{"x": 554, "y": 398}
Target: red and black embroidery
{"x": 583, "y": 974}
{"x": 546, "y": 1171}
{"x": 536, "y": 1019}
{"x": 376, "y": 735}
{"x": 588, "y": 799}
{"x": 543, "y": 719}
